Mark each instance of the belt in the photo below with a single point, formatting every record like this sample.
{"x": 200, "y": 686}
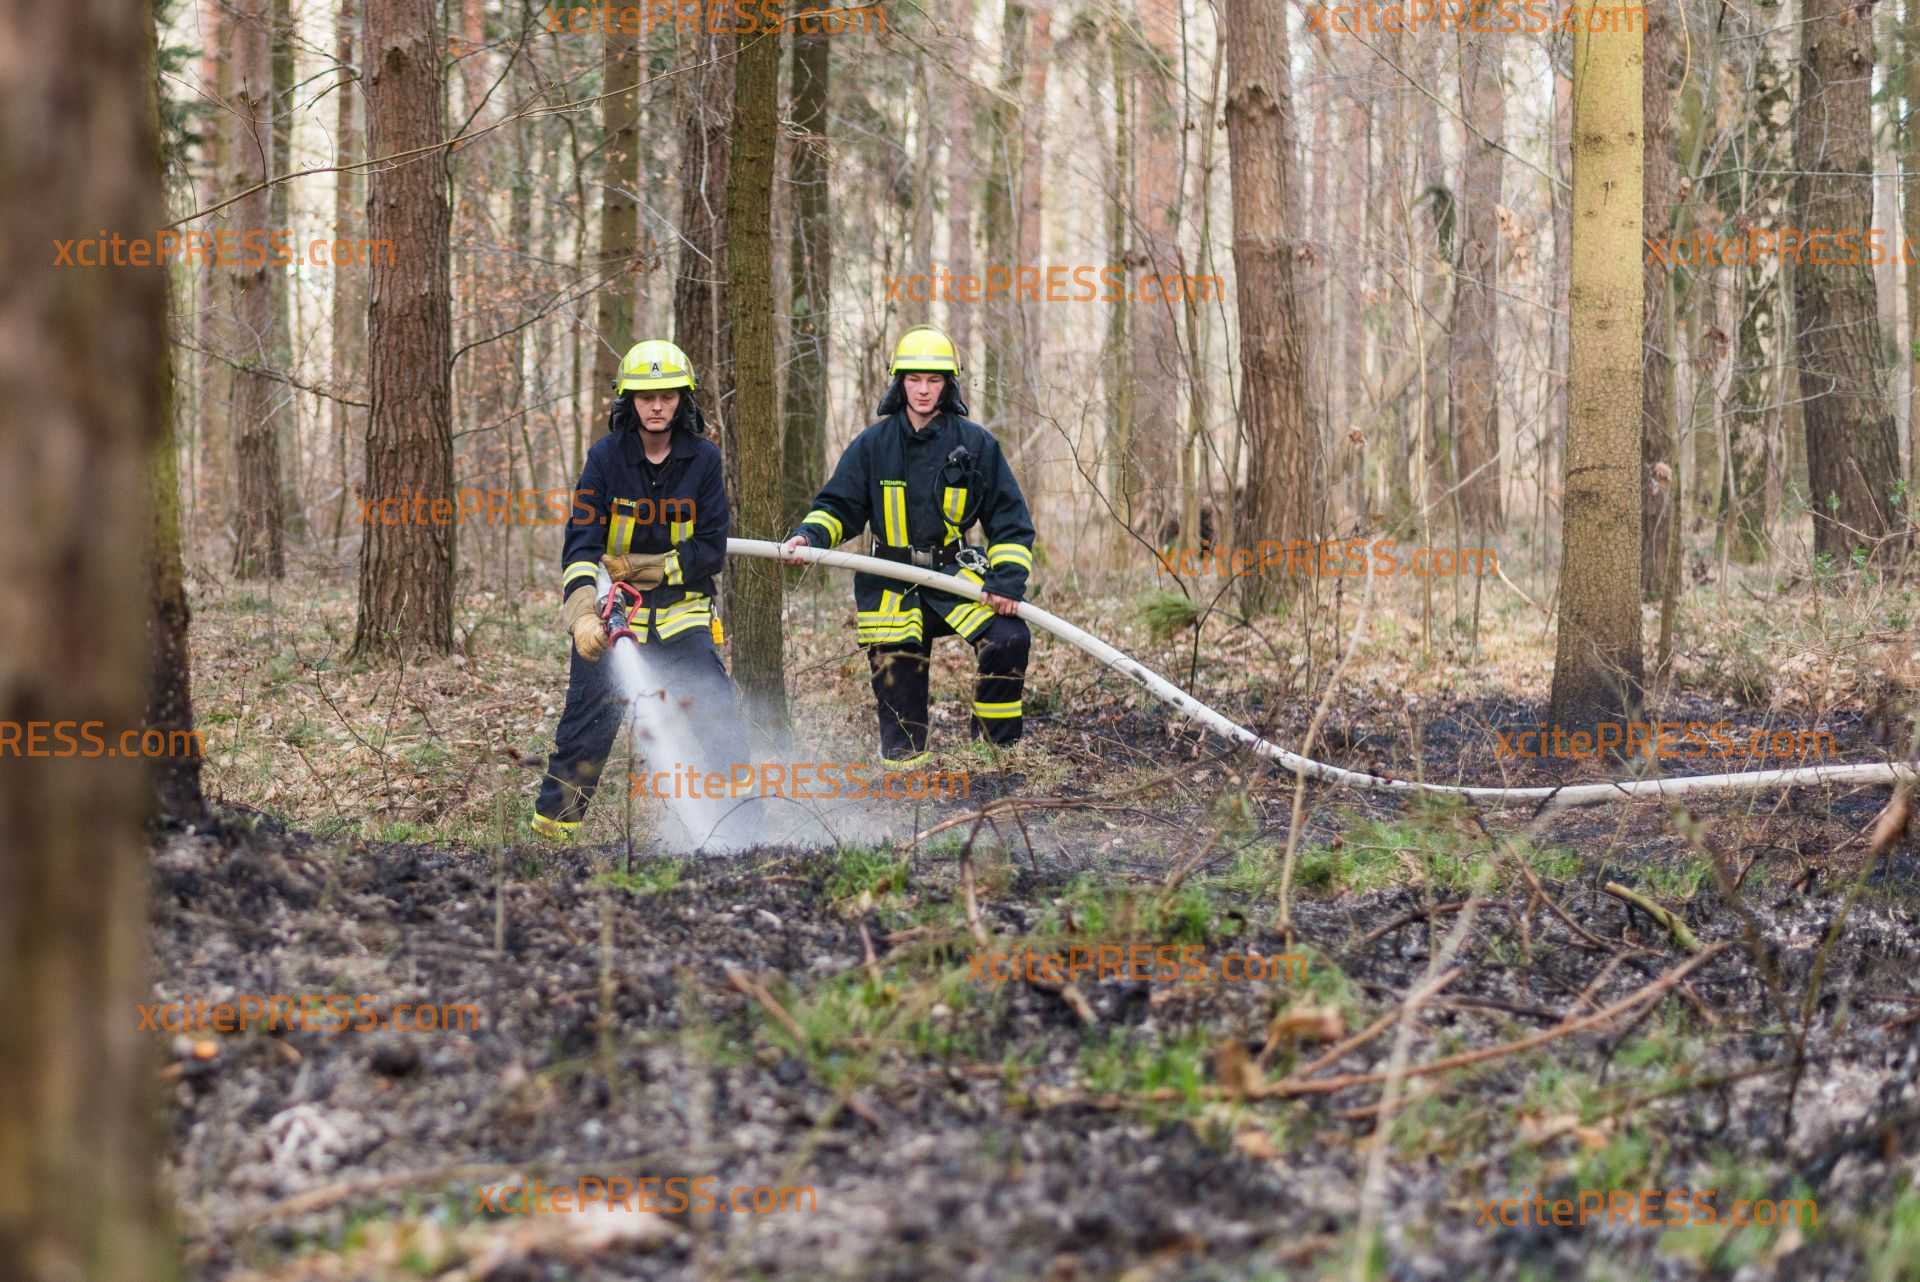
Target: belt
{"x": 934, "y": 558}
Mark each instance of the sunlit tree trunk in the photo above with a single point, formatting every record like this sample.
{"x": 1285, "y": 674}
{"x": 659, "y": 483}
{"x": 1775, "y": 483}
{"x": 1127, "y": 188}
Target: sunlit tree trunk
{"x": 1597, "y": 666}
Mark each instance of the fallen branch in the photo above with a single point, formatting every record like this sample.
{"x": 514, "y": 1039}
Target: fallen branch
{"x": 1686, "y": 939}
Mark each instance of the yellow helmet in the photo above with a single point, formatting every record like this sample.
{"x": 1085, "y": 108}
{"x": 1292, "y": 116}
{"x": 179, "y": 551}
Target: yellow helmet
{"x": 654, "y": 366}
{"x": 923, "y": 349}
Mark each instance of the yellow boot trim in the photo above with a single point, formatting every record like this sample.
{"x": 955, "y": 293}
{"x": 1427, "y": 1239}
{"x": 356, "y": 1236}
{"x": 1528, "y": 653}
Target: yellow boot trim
{"x": 908, "y": 764}
{"x": 553, "y": 829}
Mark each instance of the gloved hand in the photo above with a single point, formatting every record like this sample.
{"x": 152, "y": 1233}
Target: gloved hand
{"x": 583, "y": 621}
{"x": 644, "y": 570}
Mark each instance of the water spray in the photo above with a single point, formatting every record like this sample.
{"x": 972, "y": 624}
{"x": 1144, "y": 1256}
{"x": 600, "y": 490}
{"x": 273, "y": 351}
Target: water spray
{"x": 1547, "y": 798}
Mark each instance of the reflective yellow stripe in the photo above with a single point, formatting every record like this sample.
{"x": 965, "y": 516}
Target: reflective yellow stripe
{"x": 1010, "y": 554}
{"x": 836, "y": 532}
{"x": 577, "y": 570}
{"x": 908, "y": 763}
{"x": 893, "y": 504}
{"x": 889, "y": 623}
{"x": 672, "y": 567}
{"x": 952, "y": 504}
{"x": 968, "y": 619}
{"x": 679, "y": 531}
{"x": 554, "y": 828}
{"x": 996, "y": 711}
{"x": 620, "y": 529}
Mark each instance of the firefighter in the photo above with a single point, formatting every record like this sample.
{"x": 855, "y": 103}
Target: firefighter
{"x": 922, "y": 477}
{"x": 652, "y": 509}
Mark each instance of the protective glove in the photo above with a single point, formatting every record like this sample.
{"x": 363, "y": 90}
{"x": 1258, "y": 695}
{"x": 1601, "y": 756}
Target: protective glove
{"x": 583, "y": 621}
{"x": 644, "y": 570}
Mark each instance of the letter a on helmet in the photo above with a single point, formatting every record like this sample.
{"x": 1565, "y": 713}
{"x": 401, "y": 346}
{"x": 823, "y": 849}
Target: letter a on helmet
{"x": 923, "y": 350}
{"x": 654, "y": 366}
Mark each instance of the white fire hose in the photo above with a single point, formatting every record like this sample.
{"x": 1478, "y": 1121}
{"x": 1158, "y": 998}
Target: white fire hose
{"x": 1588, "y": 794}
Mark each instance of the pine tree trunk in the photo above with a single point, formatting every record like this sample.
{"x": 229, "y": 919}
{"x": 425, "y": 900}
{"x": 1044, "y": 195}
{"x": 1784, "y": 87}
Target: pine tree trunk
{"x": 1853, "y": 453}
{"x": 1598, "y": 669}
{"x": 83, "y": 388}
{"x": 213, "y": 302}
{"x": 1126, "y": 486}
{"x": 406, "y": 569}
{"x": 259, "y": 525}
{"x": 804, "y": 442}
{"x": 758, "y": 634}
{"x": 1281, "y": 503}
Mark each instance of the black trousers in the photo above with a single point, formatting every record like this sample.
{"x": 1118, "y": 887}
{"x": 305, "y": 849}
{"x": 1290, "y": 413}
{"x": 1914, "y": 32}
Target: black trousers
{"x": 688, "y": 669}
{"x": 901, "y": 675}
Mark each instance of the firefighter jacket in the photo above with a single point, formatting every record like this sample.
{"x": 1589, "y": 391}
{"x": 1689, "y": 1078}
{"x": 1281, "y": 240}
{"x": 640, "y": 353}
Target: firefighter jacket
{"x": 922, "y": 492}
{"x": 624, "y": 505}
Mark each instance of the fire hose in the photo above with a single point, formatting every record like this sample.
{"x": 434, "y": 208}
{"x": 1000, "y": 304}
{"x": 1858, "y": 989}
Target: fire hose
{"x": 1547, "y": 798}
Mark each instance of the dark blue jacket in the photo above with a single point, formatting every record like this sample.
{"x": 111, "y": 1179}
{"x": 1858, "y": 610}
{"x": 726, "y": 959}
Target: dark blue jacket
{"x": 680, "y": 508}
{"x": 925, "y": 490}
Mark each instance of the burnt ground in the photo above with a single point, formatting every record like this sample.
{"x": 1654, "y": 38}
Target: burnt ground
{"x": 717, "y": 1015}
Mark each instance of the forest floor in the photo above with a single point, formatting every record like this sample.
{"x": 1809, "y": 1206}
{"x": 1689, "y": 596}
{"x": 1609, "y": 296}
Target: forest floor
{"x": 813, "y": 1019}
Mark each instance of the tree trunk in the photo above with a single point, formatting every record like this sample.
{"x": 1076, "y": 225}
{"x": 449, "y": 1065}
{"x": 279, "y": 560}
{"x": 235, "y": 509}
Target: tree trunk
{"x": 959, "y": 96}
{"x": 702, "y": 311}
{"x": 621, "y": 72}
{"x": 1597, "y": 666}
{"x": 1030, "y": 342}
{"x": 83, "y": 388}
{"x": 997, "y": 385}
{"x": 258, "y": 550}
{"x": 348, "y": 322}
{"x": 1910, "y": 228}
{"x": 1474, "y": 357}
{"x": 1659, "y": 457}
{"x": 285, "y": 413}
{"x": 758, "y": 634}
{"x": 804, "y": 443}
{"x": 406, "y": 569}
{"x": 1853, "y": 453}
{"x": 1126, "y": 483}
{"x": 1279, "y": 428}
{"x": 213, "y": 302}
